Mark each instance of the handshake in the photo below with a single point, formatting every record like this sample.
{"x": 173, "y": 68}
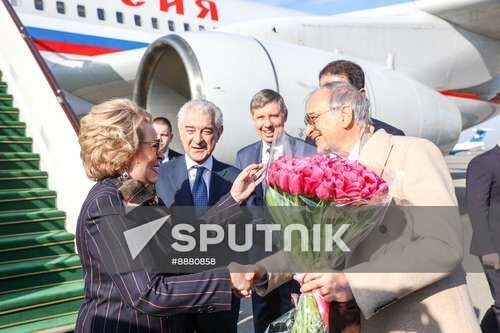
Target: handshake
{"x": 244, "y": 277}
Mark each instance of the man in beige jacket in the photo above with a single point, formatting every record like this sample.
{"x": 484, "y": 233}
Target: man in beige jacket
{"x": 406, "y": 276}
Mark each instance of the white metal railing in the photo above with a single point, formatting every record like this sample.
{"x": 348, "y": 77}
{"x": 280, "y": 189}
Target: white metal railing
{"x": 49, "y": 118}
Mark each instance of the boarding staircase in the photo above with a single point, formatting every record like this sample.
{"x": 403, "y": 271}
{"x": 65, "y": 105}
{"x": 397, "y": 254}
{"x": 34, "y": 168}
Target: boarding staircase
{"x": 41, "y": 285}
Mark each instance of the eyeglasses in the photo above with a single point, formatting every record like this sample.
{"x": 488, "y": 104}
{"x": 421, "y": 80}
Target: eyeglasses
{"x": 312, "y": 117}
{"x": 153, "y": 144}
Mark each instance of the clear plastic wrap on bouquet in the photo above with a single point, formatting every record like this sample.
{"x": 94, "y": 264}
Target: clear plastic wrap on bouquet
{"x": 325, "y": 205}
{"x": 304, "y": 319}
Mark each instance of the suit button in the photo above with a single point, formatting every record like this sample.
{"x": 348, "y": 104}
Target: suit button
{"x": 210, "y": 308}
{"x": 383, "y": 229}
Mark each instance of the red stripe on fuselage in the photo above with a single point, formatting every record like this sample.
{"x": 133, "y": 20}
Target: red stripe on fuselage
{"x": 460, "y": 94}
{"x": 72, "y": 48}
{"x": 466, "y": 95}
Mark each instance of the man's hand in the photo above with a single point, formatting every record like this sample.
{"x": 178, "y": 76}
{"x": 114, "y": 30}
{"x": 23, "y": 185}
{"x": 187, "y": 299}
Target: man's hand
{"x": 492, "y": 259}
{"x": 243, "y": 278}
{"x": 247, "y": 181}
{"x": 333, "y": 286}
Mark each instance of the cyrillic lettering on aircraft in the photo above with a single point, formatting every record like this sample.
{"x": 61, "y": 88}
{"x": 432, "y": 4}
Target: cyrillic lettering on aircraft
{"x": 178, "y": 4}
{"x": 133, "y": 3}
{"x": 207, "y": 6}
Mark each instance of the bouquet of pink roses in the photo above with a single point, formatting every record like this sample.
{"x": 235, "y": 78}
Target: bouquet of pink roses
{"x": 326, "y": 195}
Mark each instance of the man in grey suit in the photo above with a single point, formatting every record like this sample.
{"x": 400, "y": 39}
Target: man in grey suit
{"x": 196, "y": 181}
{"x": 269, "y": 114}
{"x": 483, "y": 201}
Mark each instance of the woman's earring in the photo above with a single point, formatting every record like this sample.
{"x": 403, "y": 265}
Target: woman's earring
{"x": 125, "y": 175}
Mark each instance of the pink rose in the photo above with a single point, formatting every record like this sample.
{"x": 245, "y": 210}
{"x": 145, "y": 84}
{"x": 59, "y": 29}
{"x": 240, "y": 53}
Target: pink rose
{"x": 310, "y": 185}
{"x": 283, "y": 182}
{"x": 296, "y": 184}
{"x": 326, "y": 190}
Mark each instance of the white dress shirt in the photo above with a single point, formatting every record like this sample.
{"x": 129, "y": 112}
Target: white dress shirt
{"x": 208, "y": 165}
{"x": 277, "y": 152}
{"x": 266, "y": 149}
{"x": 354, "y": 154}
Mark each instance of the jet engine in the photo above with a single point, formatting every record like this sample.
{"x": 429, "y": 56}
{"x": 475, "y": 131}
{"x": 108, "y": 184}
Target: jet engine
{"x": 228, "y": 69}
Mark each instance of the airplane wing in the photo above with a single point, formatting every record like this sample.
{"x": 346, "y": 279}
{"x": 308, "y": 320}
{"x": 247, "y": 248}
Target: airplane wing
{"x": 479, "y": 16}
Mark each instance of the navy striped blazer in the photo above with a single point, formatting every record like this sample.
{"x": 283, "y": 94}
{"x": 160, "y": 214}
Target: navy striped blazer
{"x": 136, "y": 300}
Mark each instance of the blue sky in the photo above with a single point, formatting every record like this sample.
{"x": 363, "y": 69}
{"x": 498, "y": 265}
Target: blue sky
{"x": 328, "y": 7}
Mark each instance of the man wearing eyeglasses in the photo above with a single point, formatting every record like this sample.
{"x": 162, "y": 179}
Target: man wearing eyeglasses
{"x": 406, "y": 276}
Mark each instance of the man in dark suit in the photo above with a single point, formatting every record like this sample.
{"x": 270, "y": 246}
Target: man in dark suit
{"x": 483, "y": 203}
{"x": 350, "y": 72}
{"x": 195, "y": 181}
{"x": 269, "y": 114}
{"x": 164, "y": 133}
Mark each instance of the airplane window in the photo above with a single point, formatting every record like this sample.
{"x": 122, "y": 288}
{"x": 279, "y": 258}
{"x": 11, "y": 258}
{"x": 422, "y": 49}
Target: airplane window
{"x": 154, "y": 22}
{"x": 81, "y": 11}
{"x": 187, "y": 27}
{"x": 202, "y": 28}
{"x": 61, "y": 9}
{"x": 137, "y": 20}
{"x": 100, "y": 14}
{"x": 39, "y": 4}
{"x": 171, "y": 25}
{"x": 13, "y": 2}
{"x": 119, "y": 17}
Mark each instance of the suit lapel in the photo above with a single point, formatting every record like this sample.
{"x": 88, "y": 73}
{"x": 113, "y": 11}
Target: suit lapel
{"x": 216, "y": 187}
{"x": 180, "y": 180}
{"x": 376, "y": 151}
{"x": 257, "y": 158}
{"x": 291, "y": 143}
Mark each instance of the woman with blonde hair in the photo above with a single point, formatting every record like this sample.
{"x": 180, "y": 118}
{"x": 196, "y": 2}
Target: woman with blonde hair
{"x": 120, "y": 152}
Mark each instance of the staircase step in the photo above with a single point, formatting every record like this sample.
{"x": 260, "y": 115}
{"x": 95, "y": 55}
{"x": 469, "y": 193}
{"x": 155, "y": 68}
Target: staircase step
{"x": 30, "y": 222}
{"x": 9, "y": 128}
{"x": 32, "y": 273}
{"x": 13, "y": 144}
{"x": 6, "y": 99}
{"x": 11, "y": 302}
{"x": 27, "y": 200}
{"x": 18, "y": 161}
{"x": 3, "y": 87}
{"x": 39, "y": 304}
{"x": 23, "y": 180}
{"x": 8, "y": 113}
{"x": 28, "y": 246}
{"x": 55, "y": 324}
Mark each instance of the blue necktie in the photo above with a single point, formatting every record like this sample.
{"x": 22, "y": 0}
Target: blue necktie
{"x": 200, "y": 195}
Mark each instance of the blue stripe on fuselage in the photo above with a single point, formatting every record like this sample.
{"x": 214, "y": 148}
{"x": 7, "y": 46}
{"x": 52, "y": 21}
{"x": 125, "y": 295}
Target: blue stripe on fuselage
{"x": 69, "y": 37}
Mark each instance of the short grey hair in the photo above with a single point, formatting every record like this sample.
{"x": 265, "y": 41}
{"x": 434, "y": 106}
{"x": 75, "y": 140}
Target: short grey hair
{"x": 202, "y": 106}
{"x": 343, "y": 93}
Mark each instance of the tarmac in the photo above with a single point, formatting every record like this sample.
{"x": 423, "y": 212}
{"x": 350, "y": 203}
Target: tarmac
{"x": 476, "y": 281}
